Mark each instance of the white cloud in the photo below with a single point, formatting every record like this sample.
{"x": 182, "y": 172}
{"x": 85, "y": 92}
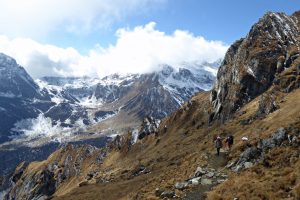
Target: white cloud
{"x": 33, "y": 18}
{"x": 137, "y": 50}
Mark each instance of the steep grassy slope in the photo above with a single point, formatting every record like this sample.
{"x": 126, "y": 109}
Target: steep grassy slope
{"x": 184, "y": 147}
{"x": 174, "y": 156}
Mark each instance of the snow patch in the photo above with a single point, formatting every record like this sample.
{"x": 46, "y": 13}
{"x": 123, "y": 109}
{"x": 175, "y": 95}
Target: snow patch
{"x": 105, "y": 117}
{"x": 182, "y": 83}
{"x": 117, "y": 80}
{"x": 90, "y": 102}
{"x": 43, "y": 127}
{"x": 250, "y": 71}
{"x": 9, "y": 95}
{"x": 2, "y": 109}
{"x": 134, "y": 137}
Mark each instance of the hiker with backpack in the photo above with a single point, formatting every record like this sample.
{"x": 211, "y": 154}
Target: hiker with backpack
{"x": 218, "y": 144}
{"x": 229, "y": 141}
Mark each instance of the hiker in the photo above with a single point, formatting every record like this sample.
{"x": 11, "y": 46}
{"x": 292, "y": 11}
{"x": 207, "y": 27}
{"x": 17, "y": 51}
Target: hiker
{"x": 229, "y": 141}
{"x": 218, "y": 144}
{"x": 165, "y": 128}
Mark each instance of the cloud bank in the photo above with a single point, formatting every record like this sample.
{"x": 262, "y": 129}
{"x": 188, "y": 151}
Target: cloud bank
{"x": 36, "y": 18}
{"x": 139, "y": 50}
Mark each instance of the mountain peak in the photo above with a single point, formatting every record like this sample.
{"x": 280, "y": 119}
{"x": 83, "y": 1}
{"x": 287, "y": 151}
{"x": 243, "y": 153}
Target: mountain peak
{"x": 251, "y": 64}
{"x": 167, "y": 70}
{"x": 7, "y": 61}
{"x": 277, "y": 25}
{"x": 15, "y": 81}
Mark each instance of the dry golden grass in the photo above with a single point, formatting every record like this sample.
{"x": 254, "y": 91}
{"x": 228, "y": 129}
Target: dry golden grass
{"x": 275, "y": 182}
{"x": 174, "y": 156}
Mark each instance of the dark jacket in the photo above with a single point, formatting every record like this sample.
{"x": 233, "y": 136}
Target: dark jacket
{"x": 218, "y": 143}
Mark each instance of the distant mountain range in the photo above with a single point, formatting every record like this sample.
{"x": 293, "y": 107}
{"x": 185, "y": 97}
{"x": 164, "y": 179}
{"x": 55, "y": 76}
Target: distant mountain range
{"x": 93, "y": 104}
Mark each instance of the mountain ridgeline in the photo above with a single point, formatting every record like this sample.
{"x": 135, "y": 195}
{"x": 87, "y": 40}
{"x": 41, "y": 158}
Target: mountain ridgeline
{"x": 254, "y": 96}
{"x": 70, "y": 100}
{"x": 39, "y": 115}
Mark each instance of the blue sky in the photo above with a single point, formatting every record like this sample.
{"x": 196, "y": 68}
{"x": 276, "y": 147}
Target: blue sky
{"x": 100, "y": 37}
{"x": 225, "y": 20}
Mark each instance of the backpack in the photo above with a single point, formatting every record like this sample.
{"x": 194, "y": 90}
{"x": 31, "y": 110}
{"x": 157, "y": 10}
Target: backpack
{"x": 218, "y": 143}
{"x": 230, "y": 139}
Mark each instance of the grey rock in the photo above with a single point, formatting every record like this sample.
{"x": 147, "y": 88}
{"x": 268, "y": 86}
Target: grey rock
{"x": 158, "y": 192}
{"x": 267, "y": 144}
{"x": 237, "y": 168}
{"x": 199, "y": 172}
{"x": 206, "y": 181}
{"x": 248, "y": 165}
{"x": 210, "y": 174}
{"x": 224, "y": 176}
{"x": 230, "y": 164}
{"x": 181, "y": 185}
{"x": 253, "y": 154}
{"x": 279, "y": 136}
{"x": 276, "y": 139}
{"x": 149, "y": 126}
{"x": 168, "y": 194}
{"x": 219, "y": 181}
{"x": 195, "y": 181}
{"x": 266, "y": 105}
{"x": 250, "y": 153}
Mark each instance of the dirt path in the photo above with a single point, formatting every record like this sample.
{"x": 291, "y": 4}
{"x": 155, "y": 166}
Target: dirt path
{"x": 215, "y": 162}
{"x": 218, "y": 162}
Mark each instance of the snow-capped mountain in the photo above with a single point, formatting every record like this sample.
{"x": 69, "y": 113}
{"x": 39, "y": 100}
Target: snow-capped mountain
{"x": 156, "y": 94}
{"x": 15, "y": 82}
{"x": 52, "y": 110}
{"x": 20, "y": 96}
{"x": 73, "y": 102}
{"x": 185, "y": 82}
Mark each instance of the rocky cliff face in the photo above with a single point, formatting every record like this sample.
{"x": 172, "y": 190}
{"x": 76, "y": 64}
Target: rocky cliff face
{"x": 151, "y": 99}
{"x": 67, "y": 163}
{"x": 252, "y": 63}
{"x": 20, "y": 96}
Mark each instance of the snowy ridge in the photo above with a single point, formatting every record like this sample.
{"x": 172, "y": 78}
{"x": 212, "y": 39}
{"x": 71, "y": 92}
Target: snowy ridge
{"x": 181, "y": 83}
{"x": 66, "y": 106}
{"x": 15, "y": 82}
{"x": 184, "y": 83}
{"x": 117, "y": 79}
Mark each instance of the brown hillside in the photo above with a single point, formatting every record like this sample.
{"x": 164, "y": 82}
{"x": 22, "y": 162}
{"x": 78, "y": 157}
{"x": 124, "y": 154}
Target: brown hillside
{"x": 178, "y": 154}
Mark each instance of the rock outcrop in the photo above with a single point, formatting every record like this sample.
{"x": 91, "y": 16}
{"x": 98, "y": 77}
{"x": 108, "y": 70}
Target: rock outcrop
{"x": 252, "y": 63}
{"x": 41, "y": 180}
{"x": 149, "y": 126}
{"x": 256, "y": 154}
